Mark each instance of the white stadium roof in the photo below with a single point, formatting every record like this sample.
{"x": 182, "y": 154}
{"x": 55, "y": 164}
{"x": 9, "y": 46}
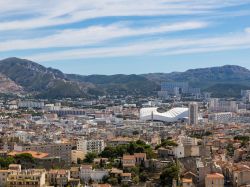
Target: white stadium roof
{"x": 171, "y": 115}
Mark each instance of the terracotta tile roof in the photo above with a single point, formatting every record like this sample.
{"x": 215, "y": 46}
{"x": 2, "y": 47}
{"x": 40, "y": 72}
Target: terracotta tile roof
{"x": 185, "y": 180}
{"x": 126, "y": 174}
{"x": 215, "y": 176}
{"x": 141, "y": 155}
{"x": 128, "y": 157}
{"x": 38, "y": 155}
{"x": 86, "y": 166}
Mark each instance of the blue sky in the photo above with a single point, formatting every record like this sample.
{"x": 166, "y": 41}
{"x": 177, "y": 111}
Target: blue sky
{"x": 126, "y": 36}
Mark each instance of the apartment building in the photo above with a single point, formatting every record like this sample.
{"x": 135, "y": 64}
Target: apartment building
{"x": 90, "y": 145}
{"x": 31, "y": 178}
{"x": 61, "y": 150}
{"x": 87, "y": 173}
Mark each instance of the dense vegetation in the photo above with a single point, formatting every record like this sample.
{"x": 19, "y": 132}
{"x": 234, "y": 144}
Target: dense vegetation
{"x": 20, "y": 158}
{"x": 243, "y": 139}
{"x": 166, "y": 142}
{"x": 169, "y": 173}
{"x": 134, "y": 147}
{"x": 227, "y": 90}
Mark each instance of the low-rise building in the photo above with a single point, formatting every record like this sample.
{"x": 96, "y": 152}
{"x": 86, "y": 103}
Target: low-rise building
{"x": 128, "y": 161}
{"x": 31, "y": 178}
{"x": 214, "y": 180}
{"x": 3, "y": 177}
{"x": 58, "y": 177}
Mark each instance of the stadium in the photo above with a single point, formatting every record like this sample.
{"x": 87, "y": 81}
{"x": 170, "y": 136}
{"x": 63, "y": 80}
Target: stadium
{"x": 172, "y": 115}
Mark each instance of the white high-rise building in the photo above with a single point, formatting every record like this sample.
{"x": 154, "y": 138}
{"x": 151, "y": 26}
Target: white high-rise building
{"x": 245, "y": 95}
{"x": 31, "y": 104}
{"x": 218, "y": 105}
{"x": 90, "y": 145}
{"x": 193, "y": 113}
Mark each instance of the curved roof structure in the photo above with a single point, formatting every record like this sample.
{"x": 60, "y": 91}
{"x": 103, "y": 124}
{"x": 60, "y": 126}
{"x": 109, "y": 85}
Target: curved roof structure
{"x": 171, "y": 115}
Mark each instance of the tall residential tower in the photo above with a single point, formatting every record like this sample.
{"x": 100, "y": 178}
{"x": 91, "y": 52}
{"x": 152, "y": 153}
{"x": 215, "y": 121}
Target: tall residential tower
{"x": 193, "y": 113}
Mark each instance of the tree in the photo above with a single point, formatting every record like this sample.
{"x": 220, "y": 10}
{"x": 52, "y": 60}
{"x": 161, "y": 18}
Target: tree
{"x": 113, "y": 181}
{"x": 166, "y": 143}
{"x": 143, "y": 176}
{"x": 136, "y": 180}
{"x": 134, "y": 147}
{"x": 230, "y": 149}
{"x": 135, "y": 170}
{"x": 243, "y": 139}
{"x": 139, "y": 150}
{"x": 5, "y": 162}
{"x": 131, "y": 148}
{"x": 24, "y": 158}
{"x": 135, "y": 133}
{"x": 169, "y": 173}
{"x": 89, "y": 157}
{"x": 101, "y": 164}
{"x": 79, "y": 161}
{"x": 108, "y": 152}
{"x": 91, "y": 181}
{"x": 150, "y": 153}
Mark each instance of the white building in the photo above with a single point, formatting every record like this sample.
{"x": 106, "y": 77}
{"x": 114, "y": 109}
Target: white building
{"x": 87, "y": 173}
{"x": 218, "y": 105}
{"x": 173, "y": 115}
{"x": 245, "y": 95}
{"x": 179, "y": 151}
{"x": 30, "y": 104}
{"x": 185, "y": 140}
{"x": 220, "y": 117}
{"x": 98, "y": 174}
{"x": 90, "y": 145}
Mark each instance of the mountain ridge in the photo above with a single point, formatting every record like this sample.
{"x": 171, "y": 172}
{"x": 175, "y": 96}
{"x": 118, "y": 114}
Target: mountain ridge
{"x": 52, "y": 83}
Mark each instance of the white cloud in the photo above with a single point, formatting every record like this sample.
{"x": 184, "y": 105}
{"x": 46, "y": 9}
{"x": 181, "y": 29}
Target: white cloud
{"x": 247, "y": 30}
{"x": 160, "y": 47}
{"x": 58, "y": 12}
{"x": 95, "y": 34}
{"x": 26, "y": 15}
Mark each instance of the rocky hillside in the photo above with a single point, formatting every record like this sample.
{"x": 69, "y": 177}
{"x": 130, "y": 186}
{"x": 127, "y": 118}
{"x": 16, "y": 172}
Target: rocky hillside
{"x": 9, "y": 86}
{"x": 40, "y": 81}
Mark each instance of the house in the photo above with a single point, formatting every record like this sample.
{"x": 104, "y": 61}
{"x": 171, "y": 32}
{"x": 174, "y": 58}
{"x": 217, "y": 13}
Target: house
{"x": 15, "y": 167}
{"x": 241, "y": 176}
{"x": 114, "y": 172}
{"x": 126, "y": 177}
{"x": 58, "y": 177}
{"x": 98, "y": 174}
{"x": 75, "y": 172}
{"x": 214, "y": 180}
{"x": 187, "y": 182}
{"x": 87, "y": 173}
{"x": 128, "y": 161}
{"x": 140, "y": 158}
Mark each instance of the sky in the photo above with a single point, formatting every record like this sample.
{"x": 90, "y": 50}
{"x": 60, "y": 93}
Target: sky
{"x": 126, "y": 36}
